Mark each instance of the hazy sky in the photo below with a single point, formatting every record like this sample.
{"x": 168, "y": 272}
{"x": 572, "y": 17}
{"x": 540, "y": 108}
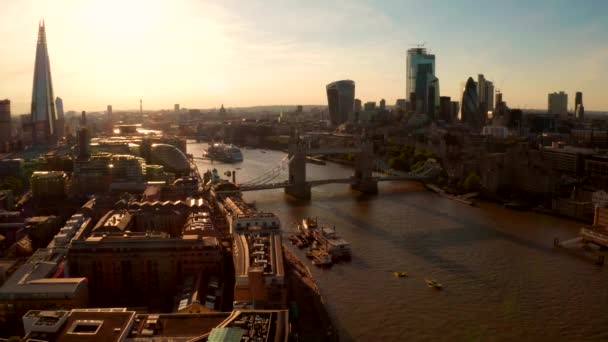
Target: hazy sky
{"x": 241, "y": 53}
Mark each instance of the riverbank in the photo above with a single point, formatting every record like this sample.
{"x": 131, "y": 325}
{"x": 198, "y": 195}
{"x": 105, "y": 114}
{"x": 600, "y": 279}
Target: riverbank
{"x": 309, "y": 319}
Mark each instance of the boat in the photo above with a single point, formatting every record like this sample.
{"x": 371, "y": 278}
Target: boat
{"x": 434, "y": 284}
{"x": 326, "y": 237}
{"x": 400, "y": 274}
{"x": 310, "y": 253}
{"x": 308, "y": 226}
{"x": 299, "y": 240}
{"x": 337, "y": 247}
{"x": 321, "y": 258}
{"x": 224, "y": 153}
{"x": 517, "y": 205}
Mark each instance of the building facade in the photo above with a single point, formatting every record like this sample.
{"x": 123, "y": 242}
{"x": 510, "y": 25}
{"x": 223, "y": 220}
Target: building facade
{"x": 341, "y": 101}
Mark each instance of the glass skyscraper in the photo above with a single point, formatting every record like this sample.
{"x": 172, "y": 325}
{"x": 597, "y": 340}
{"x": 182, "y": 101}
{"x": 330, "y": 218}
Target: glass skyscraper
{"x": 341, "y": 101}
{"x": 421, "y": 78}
{"x": 469, "y": 110}
{"x": 44, "y": 116}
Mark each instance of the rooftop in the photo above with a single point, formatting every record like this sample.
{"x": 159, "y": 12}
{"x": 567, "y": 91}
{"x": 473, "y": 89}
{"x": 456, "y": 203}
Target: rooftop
{"x": 34, "y": 278}
{"x": 96, "y": 325}
{"x": 260, "y": 249}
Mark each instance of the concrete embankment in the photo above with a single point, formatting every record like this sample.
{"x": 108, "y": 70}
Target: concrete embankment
{"x": 310, "y": 320}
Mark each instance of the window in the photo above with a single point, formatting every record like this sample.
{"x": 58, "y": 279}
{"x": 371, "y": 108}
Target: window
{"x": 85, "y": 327}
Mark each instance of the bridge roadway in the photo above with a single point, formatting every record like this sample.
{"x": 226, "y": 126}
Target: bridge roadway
{"x": 351, "y": 180}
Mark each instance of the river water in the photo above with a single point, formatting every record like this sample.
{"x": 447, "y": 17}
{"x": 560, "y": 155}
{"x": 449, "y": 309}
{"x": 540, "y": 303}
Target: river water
{"x": 502, "y": 278}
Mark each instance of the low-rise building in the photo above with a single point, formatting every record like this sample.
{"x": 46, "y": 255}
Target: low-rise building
{"x": 120, "y": 324}
{"x": 142, "y": 254}
{"x": 596, "y": 169}
{"x": 48, "y": 184}
{"x": 11, "y": 167}
{"x": 39, "y": 284}
{"x": 566, "y": 159}
{"x": 113, "y": 324}
{"x": 259, "y": 271}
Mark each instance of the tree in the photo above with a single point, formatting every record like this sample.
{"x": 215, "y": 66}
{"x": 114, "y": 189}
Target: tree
{"x": 11, "y": 183}
{"x": 472, "y": 182}
{"x": 399, "y": 163}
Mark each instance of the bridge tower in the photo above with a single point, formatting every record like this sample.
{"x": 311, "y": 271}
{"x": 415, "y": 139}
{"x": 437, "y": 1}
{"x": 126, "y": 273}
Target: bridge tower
{"x": 297, "y": 187}
{"x": 364, "y": 168}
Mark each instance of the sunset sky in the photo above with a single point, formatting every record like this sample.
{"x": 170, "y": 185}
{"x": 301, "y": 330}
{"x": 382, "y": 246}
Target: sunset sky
{"x": 201, "y": 54}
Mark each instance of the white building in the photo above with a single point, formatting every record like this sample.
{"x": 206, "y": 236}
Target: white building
{"x": 558, "y": 104}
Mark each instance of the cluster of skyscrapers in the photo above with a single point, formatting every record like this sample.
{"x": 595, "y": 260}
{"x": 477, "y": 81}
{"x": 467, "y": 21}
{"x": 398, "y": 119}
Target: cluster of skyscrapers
{"x": 558, "y": 105}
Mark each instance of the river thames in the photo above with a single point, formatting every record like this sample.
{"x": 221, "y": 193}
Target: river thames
{"x": 502, "y": 278}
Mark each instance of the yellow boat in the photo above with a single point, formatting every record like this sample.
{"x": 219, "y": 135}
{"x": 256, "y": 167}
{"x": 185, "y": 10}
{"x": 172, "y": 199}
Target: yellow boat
{"x": 434, "y": 284}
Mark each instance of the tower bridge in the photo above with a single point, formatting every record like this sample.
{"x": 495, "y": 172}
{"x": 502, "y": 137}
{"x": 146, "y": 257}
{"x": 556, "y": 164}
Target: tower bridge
{"x": 363, "y": 178}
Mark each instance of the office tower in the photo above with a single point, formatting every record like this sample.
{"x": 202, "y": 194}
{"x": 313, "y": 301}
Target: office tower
{"x": 485, "y": 94}
{"x": 445, "y": 108}
{"x": 498, "y": 100}
{"x": 44, "y": 117}
{"x": 83, "y": 144}
{"x": 578, "y": 99}
{"x": 455, "y": 108}
{"x": 415, "y": 58}
{"x": 490, "y": 95}
{"x": 60, "y": 118}
{"x": 580, "y": 112}
{"x": 176, "y": 107}
{"x": 369, "y": 106}
{"x": 469, "y": 109}
{"x": 427, "y": 88}
{"x": 357, "y": 105}
{"x": 558, "y": 104}
{"x": 83, "y": 119}
{"x": 382, "y": 104}
{"x": 141, "y": 107}
{"x": 401, "y": 104}
{"x": 432, "y": 97}
{"x": 340, "y": 100}
{"x": 109, "y": 120}
{"x": 481, "y": 89}
{"x": 5, "y": 125}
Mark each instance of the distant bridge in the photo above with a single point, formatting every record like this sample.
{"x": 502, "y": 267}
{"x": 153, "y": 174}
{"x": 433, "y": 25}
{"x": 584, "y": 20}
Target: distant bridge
{"x": 363, "y": 178}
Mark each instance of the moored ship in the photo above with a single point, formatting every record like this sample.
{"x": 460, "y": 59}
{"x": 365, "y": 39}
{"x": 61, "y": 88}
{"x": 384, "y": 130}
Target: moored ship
{"x": 337, "y": 247}
{"x": 224, "y": 153}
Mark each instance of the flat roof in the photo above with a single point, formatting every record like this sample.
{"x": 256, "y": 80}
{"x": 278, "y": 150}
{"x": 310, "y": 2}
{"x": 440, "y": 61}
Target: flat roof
{"x": 33, "y": 277}
{"x": 185, "y": 325}
{"x": 259, "y": 249}
{"x": 112, "y": 325}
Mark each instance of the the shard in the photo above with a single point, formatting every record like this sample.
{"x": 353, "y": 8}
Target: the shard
{"x": 44, "y": 116}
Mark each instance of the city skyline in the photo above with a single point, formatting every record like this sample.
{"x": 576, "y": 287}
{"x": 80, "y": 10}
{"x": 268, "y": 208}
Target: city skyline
{"x": 201, "y": 54}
